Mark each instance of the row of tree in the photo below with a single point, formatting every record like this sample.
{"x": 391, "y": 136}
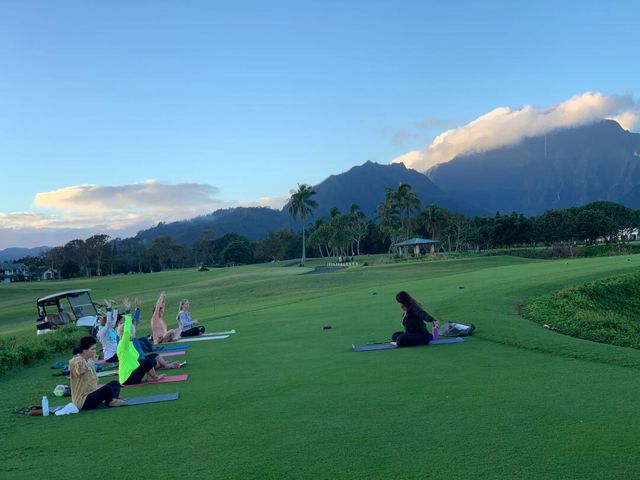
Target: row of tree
{"x": 351, "y": 233}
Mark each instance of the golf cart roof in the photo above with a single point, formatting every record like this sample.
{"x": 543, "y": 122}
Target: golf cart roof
{"x": 57, "y": 296}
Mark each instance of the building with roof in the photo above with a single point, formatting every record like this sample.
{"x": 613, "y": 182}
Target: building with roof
{"x": 415, "y": 244}
{"x": 14, "y": 272}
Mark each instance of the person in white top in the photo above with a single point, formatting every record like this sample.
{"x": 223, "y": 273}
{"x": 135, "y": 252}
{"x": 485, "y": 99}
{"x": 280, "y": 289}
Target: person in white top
{"x": 187, "y": 324}
{"x": 107, "y": 333}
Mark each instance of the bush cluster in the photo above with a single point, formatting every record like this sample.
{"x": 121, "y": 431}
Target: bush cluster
{"x": 604, "y": 311}
{"x": 16, "y": 352}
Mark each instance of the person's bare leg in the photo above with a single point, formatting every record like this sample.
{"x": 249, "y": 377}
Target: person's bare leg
{"x": 153, "y": 375}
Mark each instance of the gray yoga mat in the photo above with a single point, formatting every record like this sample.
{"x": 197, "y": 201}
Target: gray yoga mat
{"x": 388, "y": 346}
{"x": 151, "y": 399}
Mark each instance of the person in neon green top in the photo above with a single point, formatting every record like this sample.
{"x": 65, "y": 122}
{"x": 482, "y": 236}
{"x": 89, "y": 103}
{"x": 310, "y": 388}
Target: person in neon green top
{"x": 131, "y": 370}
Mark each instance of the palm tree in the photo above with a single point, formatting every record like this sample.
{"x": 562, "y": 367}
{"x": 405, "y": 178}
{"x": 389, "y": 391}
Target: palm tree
{"x": 302, "y": 205}
{"x": 407, "y": 202}
{"x": 358, "y": 225}
{"x": 390, "y": 222}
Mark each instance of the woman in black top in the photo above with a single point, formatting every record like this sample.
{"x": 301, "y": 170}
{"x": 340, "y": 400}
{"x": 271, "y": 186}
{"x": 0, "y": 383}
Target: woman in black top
{"x": 413, "y": 321}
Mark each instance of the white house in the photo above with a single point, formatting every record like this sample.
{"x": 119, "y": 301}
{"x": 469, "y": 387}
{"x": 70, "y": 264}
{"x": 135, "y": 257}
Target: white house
{"x": 630, "y": 233}
{"x": 13, "y": 272}
{"x": 45, "y": 273}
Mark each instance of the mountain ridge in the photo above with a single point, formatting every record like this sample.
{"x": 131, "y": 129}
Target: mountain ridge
{"x": 563, "y": 168}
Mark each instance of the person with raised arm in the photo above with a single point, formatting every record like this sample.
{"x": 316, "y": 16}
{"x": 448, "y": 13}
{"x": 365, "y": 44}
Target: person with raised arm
{"x": 107, "y": 332}
{"x": 152, "y": 360}
{"x": 131, "y": 370}
{"x": 158, "y": 327}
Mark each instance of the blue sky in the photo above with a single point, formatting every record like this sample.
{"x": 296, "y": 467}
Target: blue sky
{"x": 217, "y": 105}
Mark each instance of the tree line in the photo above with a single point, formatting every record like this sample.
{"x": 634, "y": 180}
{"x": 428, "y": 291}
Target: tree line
{"x": 399, "y": 217}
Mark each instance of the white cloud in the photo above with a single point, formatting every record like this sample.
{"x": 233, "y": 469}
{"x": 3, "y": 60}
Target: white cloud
{"x": 506, "y": 126}
{"x": 119, "y": 211}
{"x": 150, "y": 195}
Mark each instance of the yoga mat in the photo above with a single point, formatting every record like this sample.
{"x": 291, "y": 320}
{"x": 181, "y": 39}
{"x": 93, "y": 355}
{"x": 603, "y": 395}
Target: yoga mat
{"x": 202, "y": 338}
{"x": 151, "y": 399}
{"x": 228, "y": 332}
{"x": 113, "y": 373}
{"x": 388, "y": 346}
{"x": 168, "y": 354}
{"x": 131, "y": 402}
{"x": 167, "y": 347}
{"x": 169, "y": 379}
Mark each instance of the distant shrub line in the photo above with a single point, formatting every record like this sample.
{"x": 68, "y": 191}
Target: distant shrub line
{"x": 567, "y": 251}
{"x": 16, "y": 353}
{"x": 605, "y": 311}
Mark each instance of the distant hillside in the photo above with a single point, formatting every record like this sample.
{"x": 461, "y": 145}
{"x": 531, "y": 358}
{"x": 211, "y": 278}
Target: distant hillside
{"x": 254, "y": 223}
{"x": 365, "y": 186}
{"x": 14, "y": 253}
{"x": 564, "y": 168}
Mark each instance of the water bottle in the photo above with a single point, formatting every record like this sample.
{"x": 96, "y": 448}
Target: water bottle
{"x": 435, "y": 330}
{"x": 45, "y": 406}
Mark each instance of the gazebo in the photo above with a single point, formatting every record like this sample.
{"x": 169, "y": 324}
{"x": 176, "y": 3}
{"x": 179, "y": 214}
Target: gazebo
{"x": 415, "y": 243}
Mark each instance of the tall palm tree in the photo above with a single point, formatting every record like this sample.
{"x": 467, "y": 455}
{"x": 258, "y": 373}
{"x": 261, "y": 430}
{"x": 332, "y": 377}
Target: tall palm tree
{"x": 407, "y": 202}
{"x": 301, "y": 205}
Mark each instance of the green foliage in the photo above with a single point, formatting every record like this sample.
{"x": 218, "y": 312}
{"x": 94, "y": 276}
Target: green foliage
{"x": 540, "y": 253}
{"x": 237, "y": 252}
{"x": 16, "y": 352}
{"x": 605, "y": 311}
{"x": 607, "y": 249}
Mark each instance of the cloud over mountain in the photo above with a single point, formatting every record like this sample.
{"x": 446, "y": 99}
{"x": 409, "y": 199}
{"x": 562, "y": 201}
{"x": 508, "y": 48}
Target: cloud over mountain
{"x": 148, "y": 195}
{"x": 80, "y": 211}
{"x": 507, "y": 126}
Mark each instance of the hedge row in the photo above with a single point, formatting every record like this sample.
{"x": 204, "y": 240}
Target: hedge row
{"x": 16, "y": 352}
{"x": 569, "y": 251}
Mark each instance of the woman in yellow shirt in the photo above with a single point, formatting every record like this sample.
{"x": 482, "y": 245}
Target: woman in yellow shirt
{"x": 85, "y": 393}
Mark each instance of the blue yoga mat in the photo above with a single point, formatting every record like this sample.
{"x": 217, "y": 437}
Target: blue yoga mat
{"x": 388, "y": 346}
{"x": 167, "y": 348}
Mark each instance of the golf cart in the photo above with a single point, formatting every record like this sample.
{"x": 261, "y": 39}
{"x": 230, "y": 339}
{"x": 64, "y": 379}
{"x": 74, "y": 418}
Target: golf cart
{"x": 52, "y": 313}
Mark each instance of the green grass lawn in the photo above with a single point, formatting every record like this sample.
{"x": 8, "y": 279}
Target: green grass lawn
{"x": 284, "y": 399}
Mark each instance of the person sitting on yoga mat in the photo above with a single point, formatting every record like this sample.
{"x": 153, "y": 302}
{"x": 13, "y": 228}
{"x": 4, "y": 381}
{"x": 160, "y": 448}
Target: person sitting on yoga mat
{"x": 186, "y": 324}
{"x": 413, "y": 321}
{"x": 107, "y": 333}
{"x": 158, "y": 328}
{"x": 156, "y": 360}
{"x": 131, "y": 370}
{"x": 85, "y": 393}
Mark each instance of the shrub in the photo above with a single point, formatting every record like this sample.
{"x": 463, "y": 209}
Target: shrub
{"x": 604, "y": 311}
{"x": 610, "y": 249}
{"x": 15, "y": 353}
